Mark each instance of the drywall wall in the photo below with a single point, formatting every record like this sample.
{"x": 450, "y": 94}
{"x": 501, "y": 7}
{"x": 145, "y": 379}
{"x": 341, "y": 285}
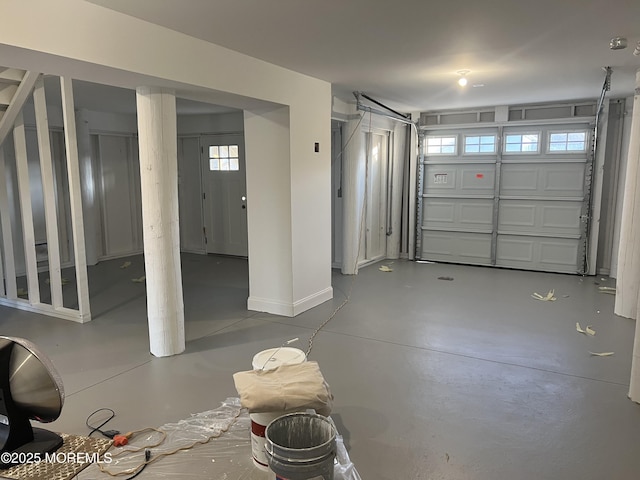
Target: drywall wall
{"x": 75, "y": 38}
{"x": 211, "y": 123}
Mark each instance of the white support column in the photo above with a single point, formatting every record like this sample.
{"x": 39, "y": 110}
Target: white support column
{"x": 48, "y": 192}
{"x": 29, "y": 238}
{"x": 88, "y": 188}
{"x": 75, "y": 197}
{"x": 628, "y": 282}
{"x": 353, "y": 185}
{"x": 11, "y": 290}
{"x": 157, "y": 132}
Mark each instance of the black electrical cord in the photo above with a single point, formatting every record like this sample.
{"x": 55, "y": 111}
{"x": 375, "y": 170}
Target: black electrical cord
{"x": 106, "y": 433}
{"x": 147, "y": 457}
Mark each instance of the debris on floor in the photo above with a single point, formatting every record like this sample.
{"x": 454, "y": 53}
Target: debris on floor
{"x": 549, "y": 297}
{"x": 139, "y": 280}
{"x": 384, "y": 268}
{"x": 64, "y": 281}
{"x": 604, "y": 354}
{"x": 125, "y": 265}
{"x": 449, "y": 279}
{"x": 609, "y": 290}
{"x": 587, "y": 331}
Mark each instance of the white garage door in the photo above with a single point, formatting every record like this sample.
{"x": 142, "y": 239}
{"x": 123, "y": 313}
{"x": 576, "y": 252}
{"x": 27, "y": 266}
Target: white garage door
{"x": 506, "y": 196}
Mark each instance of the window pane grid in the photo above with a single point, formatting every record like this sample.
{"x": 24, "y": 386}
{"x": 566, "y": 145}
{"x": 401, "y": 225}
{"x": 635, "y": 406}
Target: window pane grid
{"x": 441, "y": 145}
{"x": 527, "y": 142}
{"x": 480, "y": 144}
{"x": 568, "y": 142}
{"x": 224, "y": 158}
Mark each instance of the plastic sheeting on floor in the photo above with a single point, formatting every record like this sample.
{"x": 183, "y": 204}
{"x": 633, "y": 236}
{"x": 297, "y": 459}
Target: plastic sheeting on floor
{"x": 224, "y": 451}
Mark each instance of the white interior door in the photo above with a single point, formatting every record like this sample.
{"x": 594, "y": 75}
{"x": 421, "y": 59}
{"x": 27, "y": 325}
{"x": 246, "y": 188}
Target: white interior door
{"x": 224, "y": 194}
{"x": 374, "y": 240}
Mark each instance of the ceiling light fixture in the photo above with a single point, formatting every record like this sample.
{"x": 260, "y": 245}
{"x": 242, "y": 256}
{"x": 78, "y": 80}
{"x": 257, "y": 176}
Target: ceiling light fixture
{"x": 618, "y": 43}
{"x": 462, "y": 81}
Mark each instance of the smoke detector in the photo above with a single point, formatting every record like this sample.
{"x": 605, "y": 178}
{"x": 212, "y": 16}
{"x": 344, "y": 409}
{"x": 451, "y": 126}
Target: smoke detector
{"x": 618, "y": 43}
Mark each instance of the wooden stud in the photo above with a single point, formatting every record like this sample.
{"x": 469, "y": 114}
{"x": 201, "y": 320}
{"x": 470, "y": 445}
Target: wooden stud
{"x": 14, "y": 109}
{"x": 75, "y": 197}
{"x": 24, "y": 186}
{"x": 10, "y": 290}
{"x": 49, "y": 194}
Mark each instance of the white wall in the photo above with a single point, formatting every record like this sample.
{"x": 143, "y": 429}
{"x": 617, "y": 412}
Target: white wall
{"x": 211, "y": 123}
{"x": 75, "y": 38}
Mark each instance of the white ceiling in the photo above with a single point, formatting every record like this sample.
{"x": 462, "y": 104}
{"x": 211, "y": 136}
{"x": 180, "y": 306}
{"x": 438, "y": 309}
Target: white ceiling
{"x": 406, "y": 53}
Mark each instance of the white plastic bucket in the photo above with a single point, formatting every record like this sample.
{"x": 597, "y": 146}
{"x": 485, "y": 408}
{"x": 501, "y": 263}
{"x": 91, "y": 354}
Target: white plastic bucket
{"x": 268, "y": 360}
{"x": 274, "y": 357}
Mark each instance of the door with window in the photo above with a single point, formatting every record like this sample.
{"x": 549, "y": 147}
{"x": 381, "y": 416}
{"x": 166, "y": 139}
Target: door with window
{"x": 224, "y": 194}
{"x": 513, "y": 196}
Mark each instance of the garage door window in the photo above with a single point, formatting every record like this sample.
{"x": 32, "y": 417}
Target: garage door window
{"x": 441, "y": 145}
{"x": 567, "y": 142}
{"x": 480, "y": 144}
{"x": 522, "y": 143}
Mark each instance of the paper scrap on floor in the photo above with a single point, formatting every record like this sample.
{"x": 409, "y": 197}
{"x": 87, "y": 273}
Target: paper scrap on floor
{"x": 139, "y": 280}
{"x": 604, "y": 354}
{"x": 609, "y": 290}
{"x": 549, "y": 297}
{"x": 384, "y": 268}
{"x": 125, "y": 265}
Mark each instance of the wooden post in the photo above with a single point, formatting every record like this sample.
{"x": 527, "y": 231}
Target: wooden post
{"x": 628, "y": 281}
{"x": 75, "y": 197}
{"x": 157, "y": 132}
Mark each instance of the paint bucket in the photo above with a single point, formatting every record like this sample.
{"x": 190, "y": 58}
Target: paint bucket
{"x": 268, "y": 360}
{"x": 301, "y": 446}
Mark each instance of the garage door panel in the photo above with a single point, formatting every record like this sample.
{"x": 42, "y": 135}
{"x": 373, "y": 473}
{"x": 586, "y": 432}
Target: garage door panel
{"x": 457, "y": 247}
{"x": 458, "y": 214}
{"x": 538, "y": 253}
{"x": 567, "y": 179}
{"x": 460, "y": 180}
{"x": 440, "y": 179}
{"x": 543, "y": 179}
{"x": 548, "y": 218}
{"x": 521, "y": 205}
{"x": 480, "y": 178}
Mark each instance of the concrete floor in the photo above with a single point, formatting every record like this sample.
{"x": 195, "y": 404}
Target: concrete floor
{"x": 469, "y": 378}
